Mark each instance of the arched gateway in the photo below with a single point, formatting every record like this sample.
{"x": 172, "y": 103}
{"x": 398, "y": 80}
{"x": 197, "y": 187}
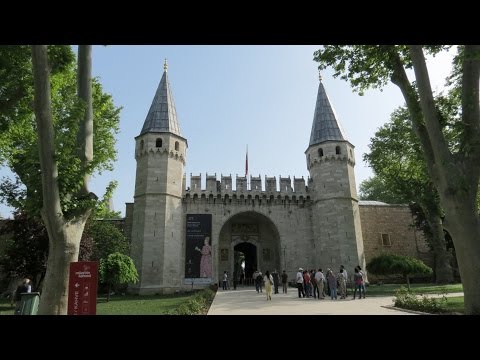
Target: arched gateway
{"x": 252, "y": 238}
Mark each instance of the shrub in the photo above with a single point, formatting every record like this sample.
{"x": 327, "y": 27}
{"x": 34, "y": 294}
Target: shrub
{"x": 408, "y": 300}
{"x": 391, "y": 264}
{"x": 197, "y": 305}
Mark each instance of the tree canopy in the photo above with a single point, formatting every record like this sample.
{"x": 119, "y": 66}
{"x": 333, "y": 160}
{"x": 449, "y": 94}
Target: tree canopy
{"x": 375, "y": 188}
{"x": 18, "y": 141}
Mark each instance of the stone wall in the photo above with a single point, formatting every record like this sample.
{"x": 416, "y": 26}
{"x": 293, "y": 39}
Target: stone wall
{"x": 400, "y": 237}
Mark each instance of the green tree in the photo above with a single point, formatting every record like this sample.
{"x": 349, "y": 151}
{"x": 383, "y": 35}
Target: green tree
{"x": 395, "y": 156}
{"x": 107, "y": 239}
{"x": 117, "y": 269}
{"x": 25, "y": 251}
{"x": 64, "y": 228}
{"x": 374, "y": 188}
{"x": 65, "y": 139}
{"x": 26, "y": 248}
{"x": 18, "y": 143}
{"x": 454, "y": 172}
{"x": 64, "y": 220}
{"x": 391, "y": 264}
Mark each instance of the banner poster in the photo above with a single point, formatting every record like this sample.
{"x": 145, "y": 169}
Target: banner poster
{"x": 198, "y": 249}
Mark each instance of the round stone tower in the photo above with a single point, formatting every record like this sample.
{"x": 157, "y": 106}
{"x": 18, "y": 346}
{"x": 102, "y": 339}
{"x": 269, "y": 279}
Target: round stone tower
{"x": 335, "y": 213}
{"x": 160, "y": 151}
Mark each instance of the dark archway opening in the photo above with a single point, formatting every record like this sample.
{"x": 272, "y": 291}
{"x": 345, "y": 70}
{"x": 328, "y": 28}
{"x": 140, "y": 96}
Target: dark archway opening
{"x": 245, "y": 253}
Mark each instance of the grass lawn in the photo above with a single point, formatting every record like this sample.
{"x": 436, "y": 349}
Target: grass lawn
{"x": 140, "y": 305}
{"x": 5, "y": 308}
{"x": 126, "y": 305}
{"x": 390, "y": 289}
{"x": 455, "y": 304}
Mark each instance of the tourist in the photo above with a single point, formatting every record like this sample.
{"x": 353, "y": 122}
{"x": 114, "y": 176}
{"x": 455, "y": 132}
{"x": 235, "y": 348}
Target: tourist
{"x": 268, "y": 279}
{"x": 332, "y": 284}
{"x": 345, "y": 275}
{"x": 225, "y": 280}
{"x": 24, "y": 287}
{"x": 342, "y": 284}
{"x": 320, "y": 278}
{"x": 276, "y": 280}
{"x": 299, "y": 280}
{"x": 284, "y": 281}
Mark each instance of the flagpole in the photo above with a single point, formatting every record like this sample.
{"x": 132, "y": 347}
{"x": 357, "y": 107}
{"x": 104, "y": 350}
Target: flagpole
{"x": 246, "y": 166}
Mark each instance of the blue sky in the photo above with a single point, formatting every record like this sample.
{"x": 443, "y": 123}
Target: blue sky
{"x": 230, "y": 96}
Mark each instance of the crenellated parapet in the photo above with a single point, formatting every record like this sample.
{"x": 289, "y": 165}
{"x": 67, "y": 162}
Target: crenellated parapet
{"x": 252, "y": 185}
{"x": 248, "y": 199}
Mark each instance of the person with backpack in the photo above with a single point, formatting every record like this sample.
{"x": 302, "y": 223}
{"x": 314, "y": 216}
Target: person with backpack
{"x": 24, "y": 287}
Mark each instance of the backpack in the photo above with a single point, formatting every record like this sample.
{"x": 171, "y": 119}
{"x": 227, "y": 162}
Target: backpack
{"x": 18, "y": 293}
{"x": 259, "y": 278}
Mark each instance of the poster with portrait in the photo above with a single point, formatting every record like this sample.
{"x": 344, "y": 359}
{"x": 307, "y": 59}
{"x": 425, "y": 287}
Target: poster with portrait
{"x": 198, "y": 249}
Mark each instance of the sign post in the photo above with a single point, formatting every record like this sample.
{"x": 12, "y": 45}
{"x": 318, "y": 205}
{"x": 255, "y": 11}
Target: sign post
{"x": 82, "y": 288}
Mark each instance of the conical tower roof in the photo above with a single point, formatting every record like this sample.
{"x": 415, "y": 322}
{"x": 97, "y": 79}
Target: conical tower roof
{"x": 162, "y": 116}
{"x": 325, "y": 121}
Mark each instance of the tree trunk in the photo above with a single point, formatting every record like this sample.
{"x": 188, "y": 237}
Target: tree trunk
{"x": 443, "y": 269}
{"x": 63, "y": 235}
{"x": 457, "y": 177}
{"x": 408, "y": 281}
{"x": 85, "y": 131}
{"x": 463, "y": 224}
{"x": 108, "y": 292}
{"x": 63, "y": 249}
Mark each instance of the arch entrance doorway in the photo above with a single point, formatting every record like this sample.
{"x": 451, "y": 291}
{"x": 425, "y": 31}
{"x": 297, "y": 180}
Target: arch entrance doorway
{"x": 245, "y": 261}
{"x": 248, "y": 238}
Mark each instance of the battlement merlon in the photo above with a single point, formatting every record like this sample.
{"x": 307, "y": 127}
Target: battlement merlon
{"x": 251, "y": 185}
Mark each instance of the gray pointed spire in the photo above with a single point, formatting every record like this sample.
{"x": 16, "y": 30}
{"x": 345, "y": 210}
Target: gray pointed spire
{"x": 162, "y": 116}
{"x": 325, "y": 121}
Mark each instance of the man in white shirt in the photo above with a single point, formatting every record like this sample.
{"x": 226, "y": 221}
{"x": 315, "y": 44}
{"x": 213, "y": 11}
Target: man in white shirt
{"x": 299, "y": 279}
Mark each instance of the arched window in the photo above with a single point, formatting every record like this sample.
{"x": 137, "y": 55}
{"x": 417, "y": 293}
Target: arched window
{"x": 159, "y": 142}
{"x": 337, "y": 150}
{"x": 142, "y": 143}
{"x": 320, "y": 152}
{"x": 177, "y": 145}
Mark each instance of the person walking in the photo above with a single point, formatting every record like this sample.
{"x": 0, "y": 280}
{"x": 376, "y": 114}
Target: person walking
{"x": 284, "y": 281}
{"x": 276, "y": 280}
{"x": 268, "y": 279}
{"x": 225, "y": 280}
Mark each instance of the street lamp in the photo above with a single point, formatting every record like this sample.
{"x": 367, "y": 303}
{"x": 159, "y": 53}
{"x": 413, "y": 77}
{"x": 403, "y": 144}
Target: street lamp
{"x": 284, "y": 259}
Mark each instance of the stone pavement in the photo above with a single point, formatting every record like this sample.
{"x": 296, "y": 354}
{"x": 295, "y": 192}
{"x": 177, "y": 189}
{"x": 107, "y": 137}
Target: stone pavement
{"x": 246, "y": 301}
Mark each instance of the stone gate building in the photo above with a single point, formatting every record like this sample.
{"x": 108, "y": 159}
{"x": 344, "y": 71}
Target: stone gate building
{"x": 183, "y": 237}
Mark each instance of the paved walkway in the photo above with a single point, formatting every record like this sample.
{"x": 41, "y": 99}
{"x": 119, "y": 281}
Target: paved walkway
{"x": 246, "y": 301}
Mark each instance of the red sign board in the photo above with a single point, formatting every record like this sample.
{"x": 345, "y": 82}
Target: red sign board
{"x": 82, "y": 288}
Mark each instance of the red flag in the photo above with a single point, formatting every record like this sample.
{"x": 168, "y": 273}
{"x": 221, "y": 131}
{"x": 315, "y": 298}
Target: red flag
{"x": 246, "y": 163}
